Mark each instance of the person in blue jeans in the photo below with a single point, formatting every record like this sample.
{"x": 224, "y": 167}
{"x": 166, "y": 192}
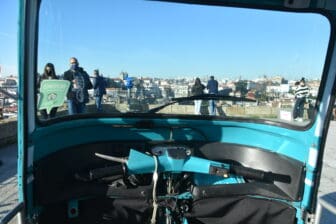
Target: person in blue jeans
{"x": 212, "y": 87}
{"x": 78, "y": 95}
{"x": 99, "y": 86}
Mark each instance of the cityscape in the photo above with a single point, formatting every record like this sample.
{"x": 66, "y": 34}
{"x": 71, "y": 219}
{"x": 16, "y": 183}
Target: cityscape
{"x": 274, "y": 91}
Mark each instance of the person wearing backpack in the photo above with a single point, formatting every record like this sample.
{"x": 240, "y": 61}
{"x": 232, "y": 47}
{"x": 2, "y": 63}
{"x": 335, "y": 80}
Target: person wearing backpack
{"x": 78, "y": 95}
{"x": 99, "y": 86}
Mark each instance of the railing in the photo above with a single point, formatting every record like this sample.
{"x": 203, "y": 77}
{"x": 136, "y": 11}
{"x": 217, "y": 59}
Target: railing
{"x": 8, "y": 97}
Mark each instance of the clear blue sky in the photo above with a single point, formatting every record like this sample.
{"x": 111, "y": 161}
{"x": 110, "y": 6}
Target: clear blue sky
{"x": 8, "y": 36}
{"x": 144, "y": 38}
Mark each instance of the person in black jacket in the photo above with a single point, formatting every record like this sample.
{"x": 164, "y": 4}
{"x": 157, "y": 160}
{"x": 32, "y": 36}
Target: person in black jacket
{"x": 197, "y": 89}
{"x": 99, "y": 86}
{"x": 49, "y": 73}
{"x": 78, "y": 95}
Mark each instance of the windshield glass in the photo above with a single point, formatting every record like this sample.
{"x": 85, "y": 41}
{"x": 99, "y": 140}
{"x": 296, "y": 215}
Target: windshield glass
{"x": 116, "y": 57}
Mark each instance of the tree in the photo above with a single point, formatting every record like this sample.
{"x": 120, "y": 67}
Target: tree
{"x": 241, "y": 86}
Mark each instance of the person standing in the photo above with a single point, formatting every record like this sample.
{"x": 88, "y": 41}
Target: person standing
{"x": 129, "y": 86}
{"x": 301, "y": 93}
{"x": 197, "y": 89}
{"x": 212, "y": 87}
{"x": 48, "y": 74}
{"x": 78, "y": 95}
{"x": 99, "y": 86}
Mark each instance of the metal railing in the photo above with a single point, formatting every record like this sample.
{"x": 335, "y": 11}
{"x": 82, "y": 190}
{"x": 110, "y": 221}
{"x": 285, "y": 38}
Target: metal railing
{"x": 8, "y": 98}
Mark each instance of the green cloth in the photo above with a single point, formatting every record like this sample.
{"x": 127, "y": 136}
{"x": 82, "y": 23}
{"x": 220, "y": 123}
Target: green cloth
{"x": 52, "y": 94}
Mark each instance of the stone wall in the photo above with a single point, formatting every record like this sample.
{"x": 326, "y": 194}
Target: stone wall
{"x": 252, "y": 111}
{"x": 8, "y": 131}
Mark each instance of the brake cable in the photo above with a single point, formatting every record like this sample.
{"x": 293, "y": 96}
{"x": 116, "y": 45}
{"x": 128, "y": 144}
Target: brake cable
{"x": 155, "y": 180}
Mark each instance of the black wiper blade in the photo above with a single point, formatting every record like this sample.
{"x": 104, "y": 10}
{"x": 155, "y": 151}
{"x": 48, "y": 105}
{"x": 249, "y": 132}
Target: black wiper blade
{"x": 201, "y": 97}
{"x": 156, "y": 109}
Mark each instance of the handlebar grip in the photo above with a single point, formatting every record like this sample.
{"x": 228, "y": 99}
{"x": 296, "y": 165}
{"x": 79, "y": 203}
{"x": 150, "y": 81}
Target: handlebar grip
{"x": 106, "y": 171}
{"x": 259, "y": 174}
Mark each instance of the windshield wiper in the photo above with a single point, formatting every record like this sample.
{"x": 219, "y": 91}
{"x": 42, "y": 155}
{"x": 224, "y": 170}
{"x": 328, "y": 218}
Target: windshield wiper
{"x": 201, "y": 97}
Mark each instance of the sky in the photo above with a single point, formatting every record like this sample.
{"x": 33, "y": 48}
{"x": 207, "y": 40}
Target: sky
{"x": 154, "y": 39}
{"x": 8, "y": 37}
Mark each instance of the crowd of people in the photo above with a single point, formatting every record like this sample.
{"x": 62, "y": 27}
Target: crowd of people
{"x": 80, "y": 83}
{"x": 301, "y": 93}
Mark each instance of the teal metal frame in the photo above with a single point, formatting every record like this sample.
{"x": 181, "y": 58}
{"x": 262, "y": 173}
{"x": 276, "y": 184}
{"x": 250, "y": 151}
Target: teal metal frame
{"x": 36, "y": 141}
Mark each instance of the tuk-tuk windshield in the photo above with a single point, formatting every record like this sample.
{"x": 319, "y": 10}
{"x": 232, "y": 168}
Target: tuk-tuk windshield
{"x": 109, "y": 58}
